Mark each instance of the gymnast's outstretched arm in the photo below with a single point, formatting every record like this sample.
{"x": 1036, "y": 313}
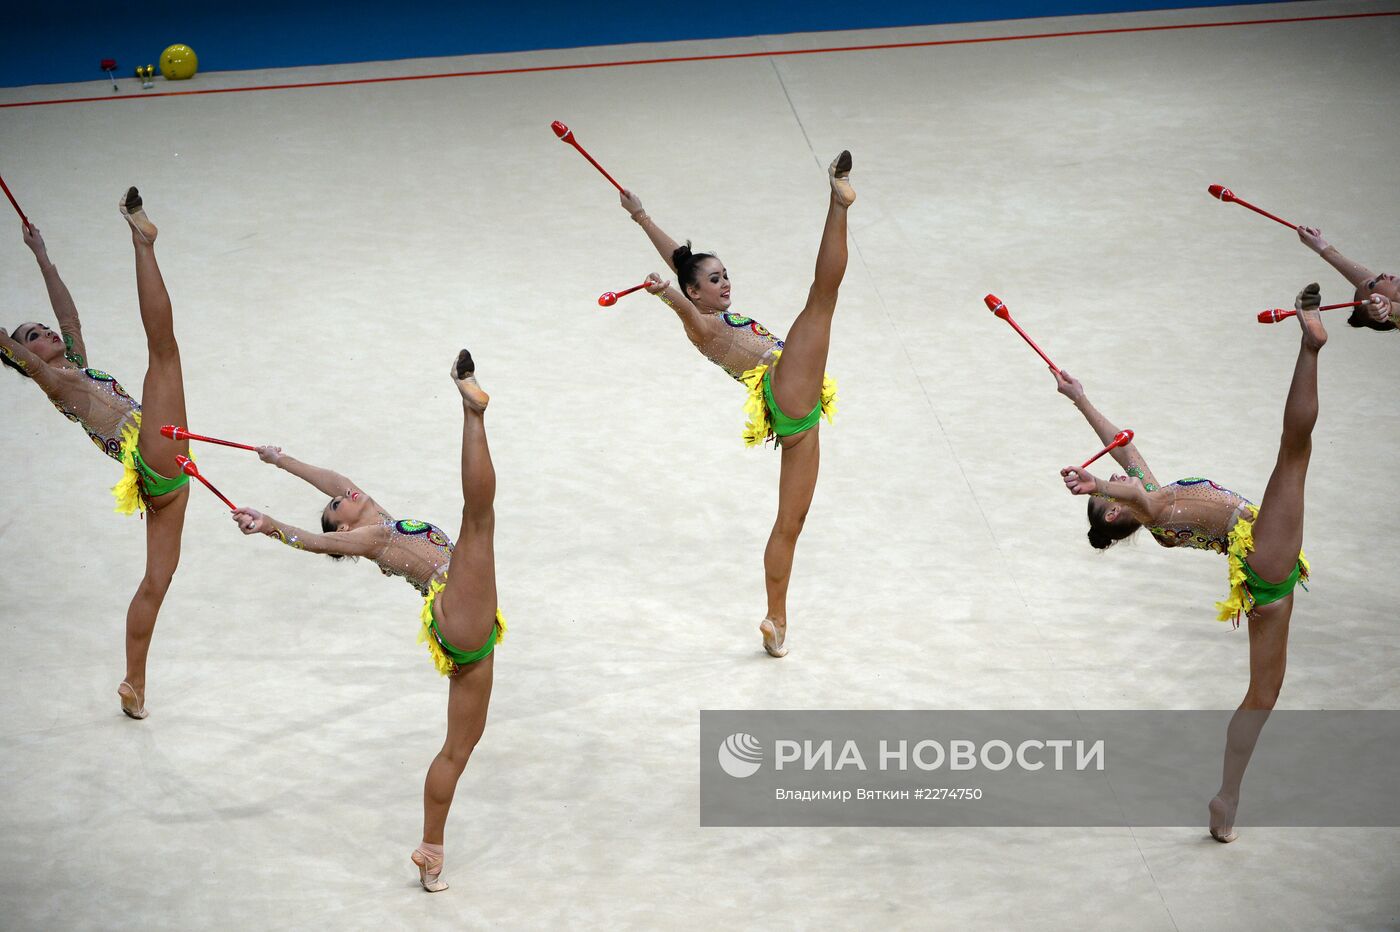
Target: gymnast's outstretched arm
{"x": 663, "y": 243}
{"x": 59, "y": 298}
{"x": 1354, "y": 272}
{"x": 1127, "y": 456}
{"x": 1146, "y": 506}
{"x": 361, "y": 542}
{"x": 328, "y": 481}
{"x": 30, "y": 365}
{"x": 691, "y": 318}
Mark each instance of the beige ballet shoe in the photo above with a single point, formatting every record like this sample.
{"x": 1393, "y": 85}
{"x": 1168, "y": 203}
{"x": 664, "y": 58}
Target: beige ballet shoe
{"x": 1307, "y": 303}
{"x": 1222, "y": 822}
{"x": 132, "y": 704}
{"x": 130, "y": 207}
{"x": 464, "y": 374}
{"x": 773, "y": 637}
{"x": 429, "y": 871}
{"x": 840, "y": 175}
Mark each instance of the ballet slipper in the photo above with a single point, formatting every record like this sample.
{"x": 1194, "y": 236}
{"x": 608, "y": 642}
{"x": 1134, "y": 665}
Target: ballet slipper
{"x": 1222, "y": 815}
{"x": 130, "y": 208}
{"x": 1314, "y": 334}
{"x": 429, "y": 870}
{"x": 132, "y": 704}
{"x": 773, "y": 637}
{"x": 840, "y": 175}
{"x": 464, "y": 374}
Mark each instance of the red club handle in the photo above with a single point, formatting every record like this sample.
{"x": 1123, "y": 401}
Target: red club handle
{"x": 22, "y": 217}
{"x": 609, "y": 298}
{"x": 180, "y": 433}
{"x": 1120, "y": 439}
{"x": 188, "y": 467}
{"x": 1222, "y": 193}
{"x": 567, "y": 135}
{"x": 995, "y": 305}
{"x": 1275, "y": 314}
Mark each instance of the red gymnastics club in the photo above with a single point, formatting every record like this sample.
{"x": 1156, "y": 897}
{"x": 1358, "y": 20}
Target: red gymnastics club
{"x": 1222, "y": 193}
{"x": 1275, "y": 314}
{"x": 609, "y": 298}
{"x": 16, "y": 203}
{"x": 1120, "y": 439}
{"x": 996, "y": 307}
{"x": 567, "y": 135}
{"x": 188, "y": 467}
{"x": 179, "y": 433}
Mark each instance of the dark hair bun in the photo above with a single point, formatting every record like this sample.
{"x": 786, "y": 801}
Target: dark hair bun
{"x": 1100, "y": 539}
{"x": 682, "y": 256}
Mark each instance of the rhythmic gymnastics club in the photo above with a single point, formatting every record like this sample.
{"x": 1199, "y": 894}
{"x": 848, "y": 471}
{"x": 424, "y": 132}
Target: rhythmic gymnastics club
{"x": 567, "y": 135}
{"x": 179, "y": 433}
{"x": 188, "y": 467}
{"x": 996, "y": 307}
{"x": 1275, "y": 314}
{"x": 1120, "y": 439}
{"x": 609, "y": 298}
{"x": 1222, "y": 193}
{"x": 16, "y": 203}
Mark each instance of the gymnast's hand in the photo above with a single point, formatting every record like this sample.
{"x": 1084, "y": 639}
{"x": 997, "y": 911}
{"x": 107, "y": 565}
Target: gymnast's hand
{"x": 34, "y": 239}
{"x": 656, "y": 284}
{"x": 631, "y": 203}
{"x": 250, "y": 521}
{"x": 1079, "y": 481}
{"x": 1377, "y": 307}
{"x": 1312, "y": 238}
{"x": 270, "y": 454}
{"x": 1068, "y": 386}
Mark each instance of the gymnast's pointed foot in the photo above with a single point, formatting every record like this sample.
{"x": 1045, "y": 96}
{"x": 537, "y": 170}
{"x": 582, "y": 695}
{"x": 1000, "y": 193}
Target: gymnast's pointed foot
{"x": 133, "y": 703}
{"x": 464, "y": 374}
{"x": 774, "y": 632}
{"x": 428, "y": 859}
{"x": 1222, "y": 820}
{"x": 840, "y": 175}
{"x": 1307, "y": 303}
{"x": 141, "y": 225}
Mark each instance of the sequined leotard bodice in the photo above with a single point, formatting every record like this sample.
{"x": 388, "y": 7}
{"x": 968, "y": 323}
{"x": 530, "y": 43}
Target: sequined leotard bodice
{"x": 739, "y": 344}
{"x": 98, "y": 403}
{"x": 1200, "y": 515}
{"x": 415, "y": 550}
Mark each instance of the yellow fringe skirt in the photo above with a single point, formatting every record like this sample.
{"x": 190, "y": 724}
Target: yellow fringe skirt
{"x": 127, "y": 492}
{"x": 765, "y": 421}
{"x": 446, "y": 657}
{"x": 1247, "y": 590}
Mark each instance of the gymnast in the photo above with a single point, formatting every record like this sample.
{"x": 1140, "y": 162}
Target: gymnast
{"x": 1263, "y": 544}
{"x": 58, "y": 364}
{"x": 1379, "y": 291}
{"x": 458, "y": 586}
{"x": 788, "y": 390}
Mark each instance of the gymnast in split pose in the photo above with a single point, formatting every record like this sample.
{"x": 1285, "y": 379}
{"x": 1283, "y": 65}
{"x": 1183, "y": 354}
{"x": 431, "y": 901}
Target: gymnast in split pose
{"x": 1264, "y": 544}
{"x": 460, "y": 622}
{"x": 1380, "y": 290}
{"x": 789, "y": 390}
{"x": 126, "y": 430}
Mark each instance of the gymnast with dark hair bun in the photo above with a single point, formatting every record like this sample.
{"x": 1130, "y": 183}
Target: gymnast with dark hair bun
{"x": 459, "y": 621}
{"x": 1264, "y": 544}
{"x": 152, "y": 482}
{"x": 788, "y": 389}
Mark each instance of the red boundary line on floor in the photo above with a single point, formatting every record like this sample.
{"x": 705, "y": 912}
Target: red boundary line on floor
{"x": 720, "y": 57}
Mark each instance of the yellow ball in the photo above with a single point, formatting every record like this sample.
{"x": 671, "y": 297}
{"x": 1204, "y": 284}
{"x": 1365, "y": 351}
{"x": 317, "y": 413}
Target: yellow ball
{"x": 178, "y": 62}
